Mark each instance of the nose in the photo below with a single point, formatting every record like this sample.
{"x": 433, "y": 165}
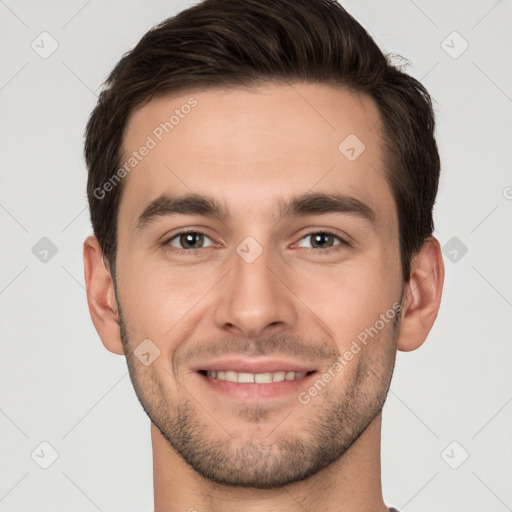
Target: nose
{"x": 254, "y": 297}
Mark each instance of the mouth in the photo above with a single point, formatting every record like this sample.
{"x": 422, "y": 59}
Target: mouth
{"x": 254, "y": 379}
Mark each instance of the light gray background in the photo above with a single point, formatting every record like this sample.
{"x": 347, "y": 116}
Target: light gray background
{"x": 57, "y": 382}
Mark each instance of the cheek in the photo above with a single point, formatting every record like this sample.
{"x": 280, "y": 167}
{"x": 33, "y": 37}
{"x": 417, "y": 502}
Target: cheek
{"x": 156, "y": 297}
{"x": 349, "y": 297}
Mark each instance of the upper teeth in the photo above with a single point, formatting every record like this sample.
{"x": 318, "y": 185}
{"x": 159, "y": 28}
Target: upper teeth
{"x": 259, "y": 378}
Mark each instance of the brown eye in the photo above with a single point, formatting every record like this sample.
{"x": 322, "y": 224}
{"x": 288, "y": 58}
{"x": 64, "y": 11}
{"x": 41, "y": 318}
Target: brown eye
{"x": 190, "y": 240}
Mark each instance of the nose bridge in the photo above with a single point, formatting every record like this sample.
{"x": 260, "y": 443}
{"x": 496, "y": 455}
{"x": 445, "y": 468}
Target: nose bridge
{"x": 251, "y": 268}
{"x": 253, "y": 297}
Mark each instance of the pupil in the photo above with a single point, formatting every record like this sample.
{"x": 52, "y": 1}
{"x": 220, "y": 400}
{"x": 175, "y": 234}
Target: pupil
{"x": 319, "y": 239}
{"x": 191, "y": 239}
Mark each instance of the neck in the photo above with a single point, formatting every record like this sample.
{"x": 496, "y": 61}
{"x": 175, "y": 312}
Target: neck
{"x": 352, "y": 483}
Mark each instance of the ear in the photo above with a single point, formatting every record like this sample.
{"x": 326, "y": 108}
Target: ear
{"x": 422, "y": 296}
{"x": 101, "y": 296}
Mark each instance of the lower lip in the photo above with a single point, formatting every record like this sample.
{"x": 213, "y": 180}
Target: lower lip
{"x": 254, "y": 391}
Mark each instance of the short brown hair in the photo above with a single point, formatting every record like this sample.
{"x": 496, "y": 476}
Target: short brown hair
{"x": 233, "y": 43}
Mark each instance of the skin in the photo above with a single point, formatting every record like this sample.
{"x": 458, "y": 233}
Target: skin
{"x": 250, "y": 148}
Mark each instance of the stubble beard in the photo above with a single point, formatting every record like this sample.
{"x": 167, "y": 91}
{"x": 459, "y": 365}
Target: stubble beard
{"x": 274, "y": 457}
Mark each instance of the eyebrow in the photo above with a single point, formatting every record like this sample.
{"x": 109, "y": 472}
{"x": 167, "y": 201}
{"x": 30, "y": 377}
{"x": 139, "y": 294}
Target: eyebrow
{"x": 297, "y": 206}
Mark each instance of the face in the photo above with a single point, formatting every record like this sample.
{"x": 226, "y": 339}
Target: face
{"x": 253, "y": 247}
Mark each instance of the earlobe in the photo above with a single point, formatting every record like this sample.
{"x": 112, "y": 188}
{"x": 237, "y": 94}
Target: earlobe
{"x": 422, "y": 297}
{"x": 101, "y": 296}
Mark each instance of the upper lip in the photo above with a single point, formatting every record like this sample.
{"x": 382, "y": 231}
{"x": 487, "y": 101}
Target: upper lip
{"x": 260, "y": 365}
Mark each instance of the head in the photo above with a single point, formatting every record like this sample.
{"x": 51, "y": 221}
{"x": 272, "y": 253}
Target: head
{"x": 303, "y": 166}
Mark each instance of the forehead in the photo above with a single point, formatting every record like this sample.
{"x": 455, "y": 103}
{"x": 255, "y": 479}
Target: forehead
{"x": 249, "y": 147}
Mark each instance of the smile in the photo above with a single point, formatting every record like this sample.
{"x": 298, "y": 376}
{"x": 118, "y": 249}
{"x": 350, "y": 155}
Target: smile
{"x": 257, "y": 378}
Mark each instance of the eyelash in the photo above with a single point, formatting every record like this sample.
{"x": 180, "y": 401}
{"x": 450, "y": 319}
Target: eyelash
{"x": 190, "y": 252}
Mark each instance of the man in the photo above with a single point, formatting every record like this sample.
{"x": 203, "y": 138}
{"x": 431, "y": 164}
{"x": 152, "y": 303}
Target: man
{"x": 261, "y": 187}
